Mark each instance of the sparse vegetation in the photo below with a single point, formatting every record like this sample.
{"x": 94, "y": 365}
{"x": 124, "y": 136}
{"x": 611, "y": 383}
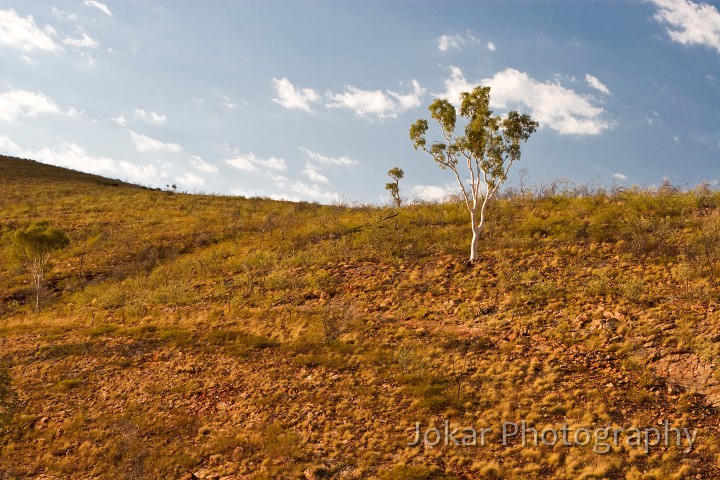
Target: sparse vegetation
{"x": 188, "y": 336}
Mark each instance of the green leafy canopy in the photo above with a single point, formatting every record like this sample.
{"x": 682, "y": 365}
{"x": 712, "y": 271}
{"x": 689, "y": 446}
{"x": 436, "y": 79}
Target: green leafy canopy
{"x": 39, "y": 239}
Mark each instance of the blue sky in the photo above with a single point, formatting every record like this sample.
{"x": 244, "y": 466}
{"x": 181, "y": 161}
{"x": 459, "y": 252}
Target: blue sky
{"x": 312, "y": 100}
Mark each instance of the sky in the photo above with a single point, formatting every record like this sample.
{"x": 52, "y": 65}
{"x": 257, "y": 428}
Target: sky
{"x": 313, "y": 100}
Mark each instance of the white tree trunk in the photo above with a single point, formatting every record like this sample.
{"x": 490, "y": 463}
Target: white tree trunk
{"x": 476, "y": 227}
{"x": 474, "y": 243}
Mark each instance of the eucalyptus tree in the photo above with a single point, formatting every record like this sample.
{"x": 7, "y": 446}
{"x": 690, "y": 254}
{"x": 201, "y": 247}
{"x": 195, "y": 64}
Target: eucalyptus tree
{"x": 35, "y": 245}
{"x": 488, "y": 145}
{"x": 393, "y": 187}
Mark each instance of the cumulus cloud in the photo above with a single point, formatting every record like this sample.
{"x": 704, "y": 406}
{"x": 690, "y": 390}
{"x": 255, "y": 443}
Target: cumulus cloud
{"x": 21, "y": 32}
{"x": 619, "y": 176}
{"x": 313, "y": 173}
{"x": 314, "y": 192}
{"x": 447, "y": 42}
{"x": 144, "y": 143}
{"x": 328, "y": 160}
{"x": 84, "y": 42}
{"x": 150, "y": 117}
{"x": 434, "y": 193}
{"x": 455, "y": 85}
{"x": 100, "y": 6}
{"x": 376, "y": 102}
{"x": 72, "y": 155}
{"x": 551, "y": 104}
{"x": 287, "y": 95}
{"x": 251, "y": 162}
{"x": 491, "y": 46}
{"x": 690, "y": 23}
{"x": 22, "y": 103}
{"x": 410, "y": 100}
{"x": 596, "y": 84}
{"x": 363, "y": 102}
{"x": 190, "y": 180}
{"x": 202, "y": 165}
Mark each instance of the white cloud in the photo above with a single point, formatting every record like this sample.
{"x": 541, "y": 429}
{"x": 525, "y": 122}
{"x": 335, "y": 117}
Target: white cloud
{"x": 363, "y": 102}
{"x": 410, "y": 100}
{"x": 63, "y": 16}
{"x": 287, "y": 95}
{"x": 596, "y": 84}
{"x": 251, "y": 162}
{"x": 551, "y": 104}
{"x": 690, "y": 23}
{"x": 120, "y": 120}
{"x": 190, "y": 180}
{"x": 433, "y": 193}
{"x": 74, "y": 156}
{"x": 456, "y": 41}
{"x": 314, "y": 192}
{"x": 144, "y": 143}
{"x": 491, "y": 46}
{"x": 8, "y": 147}
{"x": 620, "y": 176}
{"x": 455, "y": 85}
{"x": 242, "y": 162}
{"x": 150, "y": 117}
{"x": 328, "y": 160}
{"x": 446, "y": 42}
{"x": 16, "y": 103}
{"x": 376, "y": 102}
{"x": 85, "y": 42}
{"x": 100, "y": 6}
{"x": 280, "y": 180}
{"x": 313, "y": 173}
{"x": 202, "y": 165}
{"x": 260, "y": 193}
{"x": 22, "y": 33}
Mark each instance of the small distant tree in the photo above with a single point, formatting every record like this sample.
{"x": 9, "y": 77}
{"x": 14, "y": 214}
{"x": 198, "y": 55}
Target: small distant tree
{"x": 489, "y": 147}
{"x": 35, "y": 246}
{"x": 394, "y": 187}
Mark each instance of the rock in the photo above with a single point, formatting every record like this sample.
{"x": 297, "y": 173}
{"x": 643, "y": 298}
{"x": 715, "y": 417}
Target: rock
{"x": 317, "y": 473}
{"x": 688, "y": 371}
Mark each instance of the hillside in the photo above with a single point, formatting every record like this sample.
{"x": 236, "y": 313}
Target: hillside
{"x": 189, "y": 336}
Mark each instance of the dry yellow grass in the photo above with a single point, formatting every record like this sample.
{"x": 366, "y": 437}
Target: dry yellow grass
{"x": 187, "y": 335}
